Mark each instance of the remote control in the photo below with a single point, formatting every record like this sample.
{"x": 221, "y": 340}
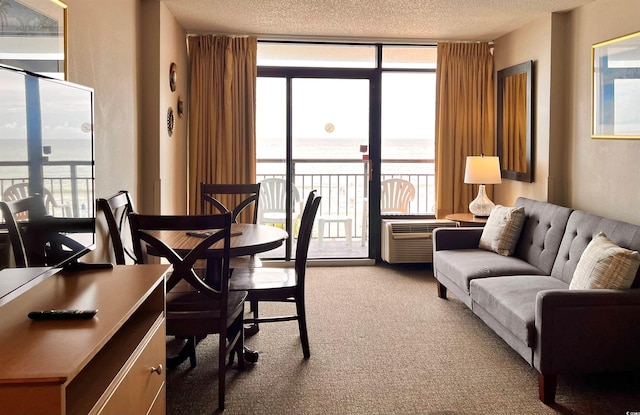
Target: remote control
{"x": 62, "y": 314}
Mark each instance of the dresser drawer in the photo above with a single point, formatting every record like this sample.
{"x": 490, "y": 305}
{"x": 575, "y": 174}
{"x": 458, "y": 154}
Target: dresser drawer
{"x": 139, "y": 387}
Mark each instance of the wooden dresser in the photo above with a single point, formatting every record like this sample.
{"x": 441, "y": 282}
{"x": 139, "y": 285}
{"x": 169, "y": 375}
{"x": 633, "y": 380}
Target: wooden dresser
{"x": 111, "y": 364}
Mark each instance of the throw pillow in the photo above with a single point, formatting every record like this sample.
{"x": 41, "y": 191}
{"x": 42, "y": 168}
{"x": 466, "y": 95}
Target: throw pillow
{"x": 502, "y": 230}
{"x": 604, "y": 264}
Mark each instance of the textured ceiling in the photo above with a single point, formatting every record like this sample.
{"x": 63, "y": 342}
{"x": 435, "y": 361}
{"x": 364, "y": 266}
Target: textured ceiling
{"x": 390, "y": 20}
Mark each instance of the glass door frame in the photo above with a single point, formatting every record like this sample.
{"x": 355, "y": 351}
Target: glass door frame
{"x": 374, "y": 77}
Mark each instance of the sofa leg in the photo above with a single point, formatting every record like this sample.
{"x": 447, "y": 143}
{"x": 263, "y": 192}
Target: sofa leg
{"x": 442, "y": 290}
{"x": 547, "y": 388}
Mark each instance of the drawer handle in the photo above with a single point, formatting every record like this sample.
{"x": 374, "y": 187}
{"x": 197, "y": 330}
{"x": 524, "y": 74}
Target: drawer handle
{"x": 157, "y": 369}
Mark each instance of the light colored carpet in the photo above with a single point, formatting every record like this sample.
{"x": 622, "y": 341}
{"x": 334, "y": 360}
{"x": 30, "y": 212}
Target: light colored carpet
{"x": 382, "y": 342}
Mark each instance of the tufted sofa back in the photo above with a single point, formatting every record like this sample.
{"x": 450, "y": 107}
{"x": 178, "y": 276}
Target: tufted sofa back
{"x": 581, "y": 228}
{"x": 542, "y": 233}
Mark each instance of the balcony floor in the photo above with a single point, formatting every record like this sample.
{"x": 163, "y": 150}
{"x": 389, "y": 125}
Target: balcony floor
{"x": 330, "y": 249}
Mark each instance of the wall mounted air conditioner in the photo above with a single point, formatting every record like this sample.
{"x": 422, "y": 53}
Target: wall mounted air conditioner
{"x": 409, "y": 240}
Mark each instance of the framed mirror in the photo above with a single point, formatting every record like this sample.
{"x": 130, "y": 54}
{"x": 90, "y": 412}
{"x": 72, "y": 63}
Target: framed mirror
{"x": 514, "y": 122}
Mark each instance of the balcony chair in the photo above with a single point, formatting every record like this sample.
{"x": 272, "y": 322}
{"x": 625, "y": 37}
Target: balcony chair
{"x": 116, "y": 211}
{"x": 282, "y": 284}
{"x": 21, "y": 190}
{"x": 195, "y": 309}
{"x": 395, "y": 197}
{"x": 273, "y": 202}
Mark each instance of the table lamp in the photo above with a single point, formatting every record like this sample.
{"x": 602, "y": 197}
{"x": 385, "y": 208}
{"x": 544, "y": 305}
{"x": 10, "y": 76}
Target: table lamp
{"x": 482, "y": 170}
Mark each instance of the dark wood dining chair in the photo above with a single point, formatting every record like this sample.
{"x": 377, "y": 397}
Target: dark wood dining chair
{"x": 282, "y": 284}
{"x": 35, "y": 237}
{"x": 193, "y": 308}
{"x": 221, "y": 196}
{"x": 116, "y": 211}
{"x": 16, "y": 215}
{"x": 215, "y": 198}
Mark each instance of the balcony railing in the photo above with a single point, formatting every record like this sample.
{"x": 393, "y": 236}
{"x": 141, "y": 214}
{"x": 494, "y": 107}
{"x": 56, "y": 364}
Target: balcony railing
{"x": 74, "y": 188}
{"x": 343, "y": 183}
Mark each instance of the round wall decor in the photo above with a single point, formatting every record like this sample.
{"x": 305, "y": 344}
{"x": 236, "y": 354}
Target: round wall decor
{"x": 180, "y": 107}
{"x": 172, "y": 76}
{"x": 171, "y": 121}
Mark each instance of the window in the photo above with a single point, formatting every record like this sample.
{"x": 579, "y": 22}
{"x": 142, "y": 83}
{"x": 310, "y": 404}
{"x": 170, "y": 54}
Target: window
{"x": 327, "y": 113}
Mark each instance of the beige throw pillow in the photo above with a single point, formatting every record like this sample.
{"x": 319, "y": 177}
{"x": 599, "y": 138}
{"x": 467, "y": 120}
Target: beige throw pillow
{"x": 604, "y": 264}
{"x": 502, "y": 230}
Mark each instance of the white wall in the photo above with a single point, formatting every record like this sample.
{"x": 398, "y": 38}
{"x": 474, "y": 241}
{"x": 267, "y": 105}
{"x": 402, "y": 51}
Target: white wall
{"x": 571, "y": 168}
{"x": 103, "y": 48}
{"x": 603, "y": 175}
{"x": 509, "y": 51}
{"x": 124, "y": 54}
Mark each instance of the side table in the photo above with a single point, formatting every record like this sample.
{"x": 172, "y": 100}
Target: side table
{"x": 466, "y": 219}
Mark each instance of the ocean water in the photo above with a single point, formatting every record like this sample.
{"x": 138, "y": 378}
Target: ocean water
{"x": 61, "y": 150}
{"x": 312, "y": 161}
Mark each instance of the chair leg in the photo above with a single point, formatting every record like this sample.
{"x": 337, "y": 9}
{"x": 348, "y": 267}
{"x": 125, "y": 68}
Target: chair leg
{"x": 191, "y": 344}
{"x": 302, "y": 325}
{"x": 222, "y": 370}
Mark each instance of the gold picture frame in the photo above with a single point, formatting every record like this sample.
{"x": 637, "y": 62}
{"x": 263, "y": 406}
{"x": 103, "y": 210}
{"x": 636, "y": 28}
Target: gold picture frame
{"x": 33, "y": 36}
{"x": 615, "y": 88}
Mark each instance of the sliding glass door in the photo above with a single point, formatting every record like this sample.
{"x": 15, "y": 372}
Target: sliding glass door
{"x": 321, "y": 145}
{"x": 342, "y": 119}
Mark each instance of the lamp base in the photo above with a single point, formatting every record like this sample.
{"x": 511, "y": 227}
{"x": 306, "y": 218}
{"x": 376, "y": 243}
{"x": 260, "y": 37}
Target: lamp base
{"x": 481, "y": 206}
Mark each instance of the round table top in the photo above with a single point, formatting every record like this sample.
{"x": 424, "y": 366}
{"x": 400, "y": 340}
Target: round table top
{"x": 246, "y": 239}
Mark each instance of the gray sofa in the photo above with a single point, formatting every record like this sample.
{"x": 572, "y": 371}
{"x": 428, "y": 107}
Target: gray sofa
{"x": 526, "y": 300}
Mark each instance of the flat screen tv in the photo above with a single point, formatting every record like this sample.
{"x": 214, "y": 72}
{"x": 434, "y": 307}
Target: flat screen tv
{"x": 46, "y": 147}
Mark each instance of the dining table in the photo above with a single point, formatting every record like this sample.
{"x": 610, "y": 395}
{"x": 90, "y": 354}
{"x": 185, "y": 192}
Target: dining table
{"x": 246, "y": 239}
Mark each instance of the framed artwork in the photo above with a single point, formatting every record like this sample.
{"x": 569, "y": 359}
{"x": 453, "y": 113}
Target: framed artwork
{"x": 615, "y": 88}
{"x": 32, "y": 36}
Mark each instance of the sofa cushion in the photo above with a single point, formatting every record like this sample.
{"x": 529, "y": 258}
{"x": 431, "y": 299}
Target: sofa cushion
{"x": 542, "y": 232}
{"x": 502, "y": 230}
{"x": 511, "y": 300}
{"x": 604, "y": 264}
{"x": 463, "y": 265}
{"x": 581, "y": 229}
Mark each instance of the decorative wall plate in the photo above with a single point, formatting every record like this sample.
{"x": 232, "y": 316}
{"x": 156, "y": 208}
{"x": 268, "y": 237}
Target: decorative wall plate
{"x": 171, "y": 121}
{"x": 180, "y": 107}
{"x": 172, "y": 76}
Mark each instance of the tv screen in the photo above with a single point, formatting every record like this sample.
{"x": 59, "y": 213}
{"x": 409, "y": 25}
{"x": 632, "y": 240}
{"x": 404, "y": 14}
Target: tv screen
{"x": 46, "y": 147}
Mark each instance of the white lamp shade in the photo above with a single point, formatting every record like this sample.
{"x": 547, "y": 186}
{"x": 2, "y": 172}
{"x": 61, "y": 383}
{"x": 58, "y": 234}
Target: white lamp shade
{"x": 482, "y": 170}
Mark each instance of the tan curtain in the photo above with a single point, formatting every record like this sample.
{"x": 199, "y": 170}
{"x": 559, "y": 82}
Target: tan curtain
{"x": 514, "y": 123}
{"x": 464, "y": 120}
{"x": 222, "y": 141}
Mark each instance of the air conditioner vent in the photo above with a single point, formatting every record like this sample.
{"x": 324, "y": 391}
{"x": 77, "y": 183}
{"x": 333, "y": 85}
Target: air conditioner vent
{"x": 409, "y": 241}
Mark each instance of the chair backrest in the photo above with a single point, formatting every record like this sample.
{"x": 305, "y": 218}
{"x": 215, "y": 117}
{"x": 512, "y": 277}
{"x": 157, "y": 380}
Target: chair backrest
{"x": 396, "y": 196}
{"x": 242, "y": 196}
{"x": 148, "y": 240}
{"x": 304, "y": 234}
{"x": 273, "y": 200}
{"x": 37, "y": 239}
{"x": 116, "y": 211}
{"x": 17, "y": 214}
{"x": 21, "y": 190}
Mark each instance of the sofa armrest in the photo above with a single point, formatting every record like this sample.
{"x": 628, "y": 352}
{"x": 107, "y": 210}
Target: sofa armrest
{"x": 583, "y": 331}
{"x": 456, "y": 238}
